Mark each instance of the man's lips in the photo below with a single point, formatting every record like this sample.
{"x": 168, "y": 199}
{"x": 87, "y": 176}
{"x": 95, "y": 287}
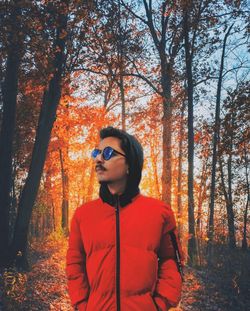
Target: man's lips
{"x": 100, "y": 169}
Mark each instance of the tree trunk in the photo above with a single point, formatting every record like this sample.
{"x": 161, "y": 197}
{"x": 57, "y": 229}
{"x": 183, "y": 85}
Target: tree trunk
{"x": 166, "y": 85}
{"x": 192, "y": 243}
{"x": 167, "y": 132}
{"x": 49, "y": 200}
{"x": 229, "y": 206}
{"x": 153, "y": 157}
{"x": 121, "y": 77}
{"x": 179, "y": 179}
{"x": 230, "y": 212}
{"x": 166, "y": 57}
{"x": 47, "y": 117}
{"x": 9, "y": 91}
{"x": 244, "y": 241}
{"x": 201, "y": 194}
{"x": 65, "y": 195}
{"x": 53, "y": 217}
{"x": 214, "y": 157}
{"x": 122, "y": 94}
{"x": 201, "y": 198}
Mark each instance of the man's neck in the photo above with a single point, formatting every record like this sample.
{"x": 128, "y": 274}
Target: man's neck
{"x": 118, "y": 188}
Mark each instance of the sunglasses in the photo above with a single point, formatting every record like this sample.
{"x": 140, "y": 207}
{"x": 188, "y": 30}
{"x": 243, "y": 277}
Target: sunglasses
{"x": 107, "y": 153}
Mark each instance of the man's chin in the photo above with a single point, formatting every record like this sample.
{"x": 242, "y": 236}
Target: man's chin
{"x": 105, "y": 182}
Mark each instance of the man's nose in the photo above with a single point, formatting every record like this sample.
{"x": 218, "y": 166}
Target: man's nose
{"x": 99, "y": 158}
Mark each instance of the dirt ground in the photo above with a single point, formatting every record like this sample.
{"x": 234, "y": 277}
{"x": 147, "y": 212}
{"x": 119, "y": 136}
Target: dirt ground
{"x": 44, "y": 286}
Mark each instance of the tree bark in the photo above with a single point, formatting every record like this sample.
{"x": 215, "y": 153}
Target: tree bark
{"x": 65, "y": 195}
{"x": 214, "y": 157}
{"x": 244, "y": 240}
{"x": 121, "y": 77}
{"x": 179, "y": 178}
{"x": 201, "y": 198}
{"x": 166, "y": 63}
{"x": 153, "y": 157}
{"x": 47, "y": 117}
{"x": 229, "y": 206}
{"x": 9, "y": 91}
{"x": 122, "y": 95}
{"x": 230, "y": 212}
{"x": 192, "y": 243}
{"x": 53, "y": 217}
{"x": 49, "y": 200}
{"x": 167, "y": 133}
{"x": 167, "y": 55}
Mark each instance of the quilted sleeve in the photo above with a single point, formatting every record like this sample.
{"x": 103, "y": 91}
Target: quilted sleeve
{"x": 77, "y": 281}
{"x": 168, "y": 287}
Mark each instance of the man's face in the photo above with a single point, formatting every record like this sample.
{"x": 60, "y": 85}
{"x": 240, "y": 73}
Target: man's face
{"x": 115, "y": 169}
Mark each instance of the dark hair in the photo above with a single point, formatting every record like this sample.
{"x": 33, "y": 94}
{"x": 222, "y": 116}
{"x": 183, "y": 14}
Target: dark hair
{"x": 133, "y": 151}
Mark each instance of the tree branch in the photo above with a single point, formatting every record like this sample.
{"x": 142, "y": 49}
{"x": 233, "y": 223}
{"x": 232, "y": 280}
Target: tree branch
{"x": 146, "y": 80}
{"x": 133, "y": 13}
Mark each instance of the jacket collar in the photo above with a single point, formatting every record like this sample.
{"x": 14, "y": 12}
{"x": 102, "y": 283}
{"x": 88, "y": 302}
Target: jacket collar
{"x": 123, "y": 199}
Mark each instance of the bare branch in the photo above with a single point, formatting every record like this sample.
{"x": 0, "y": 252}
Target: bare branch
{"x": 151, "y": 24}
{"x": 90, "y": 70}
{"x": 146, "y": 80}
{"x": 235, "y": 68}
{"x": 133, "y": 13}
{"x": 164, "y": 23}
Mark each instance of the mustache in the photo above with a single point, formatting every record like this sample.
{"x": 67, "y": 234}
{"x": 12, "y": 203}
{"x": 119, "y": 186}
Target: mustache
{"x": 99, "y": 166}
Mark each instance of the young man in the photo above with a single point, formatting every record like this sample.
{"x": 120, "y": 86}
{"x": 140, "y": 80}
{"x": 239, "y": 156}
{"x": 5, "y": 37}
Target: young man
{"x": 122, "y": 246}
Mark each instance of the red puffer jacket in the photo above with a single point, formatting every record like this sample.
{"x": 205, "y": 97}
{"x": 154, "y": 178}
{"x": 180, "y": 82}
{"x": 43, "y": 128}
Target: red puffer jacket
{"x": 122, "y": 258}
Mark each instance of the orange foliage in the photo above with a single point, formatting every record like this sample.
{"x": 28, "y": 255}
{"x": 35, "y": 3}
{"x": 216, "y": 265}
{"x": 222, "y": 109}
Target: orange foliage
{"x": 75, "y": 134}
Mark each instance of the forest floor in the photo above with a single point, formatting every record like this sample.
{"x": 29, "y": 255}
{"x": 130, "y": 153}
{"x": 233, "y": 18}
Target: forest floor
{"x": 44, "y": 286}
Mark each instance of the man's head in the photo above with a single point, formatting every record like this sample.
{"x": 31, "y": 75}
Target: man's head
{"x": 124, "y": 160}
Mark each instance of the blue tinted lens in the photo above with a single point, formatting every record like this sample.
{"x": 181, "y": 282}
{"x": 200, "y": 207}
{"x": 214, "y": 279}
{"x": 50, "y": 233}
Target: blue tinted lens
{"x": 107, "y": 153}
{"x": 95, "y": 153}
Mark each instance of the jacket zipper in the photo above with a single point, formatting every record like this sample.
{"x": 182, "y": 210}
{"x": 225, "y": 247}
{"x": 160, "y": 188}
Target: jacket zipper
{"x": 118, "y": 301}
{"x": 157, "y": 308}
